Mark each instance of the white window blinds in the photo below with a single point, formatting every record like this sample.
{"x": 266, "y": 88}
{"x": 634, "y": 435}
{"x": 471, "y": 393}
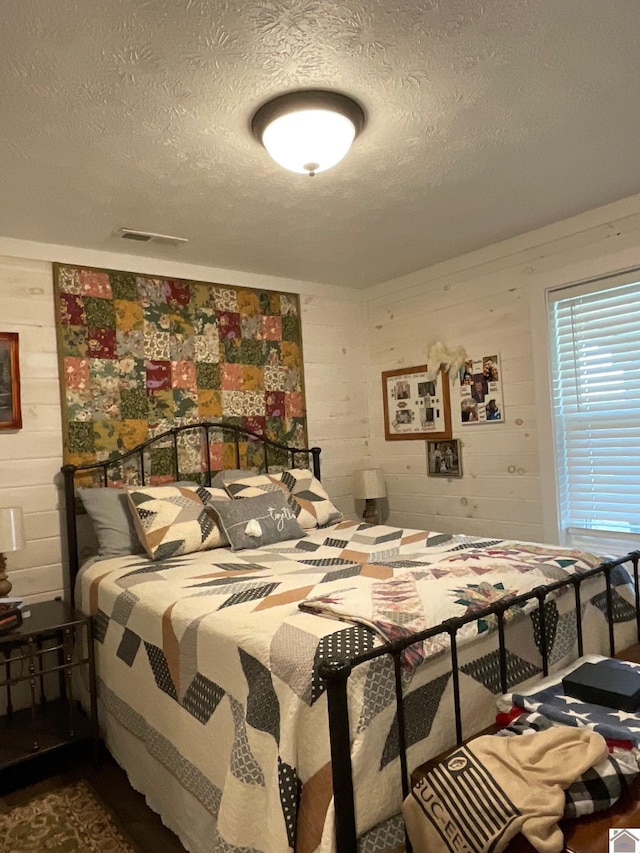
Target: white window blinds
{"x": 595, "y": 339}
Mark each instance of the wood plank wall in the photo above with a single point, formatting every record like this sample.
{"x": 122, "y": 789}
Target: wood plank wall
{"x": 500, "y": 483}
{"x": 349, "y": 337}
{"x": 335, "y": 358}
{"x": 30, "y": 459}
{"x": 489, "y": 301}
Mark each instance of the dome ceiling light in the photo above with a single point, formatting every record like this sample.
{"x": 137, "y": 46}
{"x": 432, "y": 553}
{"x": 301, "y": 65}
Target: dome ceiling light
{"x": 308, "y": 131}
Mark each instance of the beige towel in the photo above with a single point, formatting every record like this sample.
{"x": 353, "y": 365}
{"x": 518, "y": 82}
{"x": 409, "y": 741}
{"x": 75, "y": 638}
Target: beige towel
{"x": 486, "y": 792}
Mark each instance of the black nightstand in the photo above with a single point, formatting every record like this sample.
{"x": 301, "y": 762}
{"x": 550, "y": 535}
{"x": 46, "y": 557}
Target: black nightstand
{"x": 50, "y": 640}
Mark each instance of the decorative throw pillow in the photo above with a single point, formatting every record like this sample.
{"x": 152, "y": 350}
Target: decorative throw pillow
{"x": 108, "y": 509}
{"x": 218, "y": 480}
{"x": 307, "y": 497}
{"x": 172, "y": 521}
{"x": 112, "y": 521}
{"x": 258, "y": 521}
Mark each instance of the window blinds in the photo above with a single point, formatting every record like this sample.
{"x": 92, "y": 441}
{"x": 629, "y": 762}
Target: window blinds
{"x": 595, "y": 338}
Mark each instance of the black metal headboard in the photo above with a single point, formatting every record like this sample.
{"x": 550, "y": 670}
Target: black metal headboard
{"x": 273, "y": 453}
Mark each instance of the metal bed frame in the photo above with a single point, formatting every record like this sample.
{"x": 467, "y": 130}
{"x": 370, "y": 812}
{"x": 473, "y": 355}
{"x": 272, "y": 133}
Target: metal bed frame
{"x": 336, "y": 675}
{"x": 336, "y": 672}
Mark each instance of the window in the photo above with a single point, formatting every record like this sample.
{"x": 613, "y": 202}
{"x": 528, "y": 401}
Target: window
{"x": 595, "y": 344}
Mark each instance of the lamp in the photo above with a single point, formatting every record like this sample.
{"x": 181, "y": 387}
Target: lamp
{"x": 12, "y": 538}
{"x": 368, "y": 486}
{"x": 309, "y": 130}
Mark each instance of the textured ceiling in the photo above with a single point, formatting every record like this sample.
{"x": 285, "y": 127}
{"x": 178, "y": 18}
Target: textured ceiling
{"x": 485, "y": 120}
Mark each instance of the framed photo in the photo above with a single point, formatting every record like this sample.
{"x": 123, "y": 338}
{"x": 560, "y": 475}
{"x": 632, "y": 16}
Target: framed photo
{"x": 444, "y": 458}
{"x": 415, "y": 406}
{"x": 10, "y": 412}
{"x": 480, "y": 396}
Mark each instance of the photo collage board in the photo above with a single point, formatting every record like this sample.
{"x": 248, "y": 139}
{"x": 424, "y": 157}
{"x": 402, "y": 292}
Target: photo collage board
{"x": 416, "y": 404}
{"x": 480, "y": 390}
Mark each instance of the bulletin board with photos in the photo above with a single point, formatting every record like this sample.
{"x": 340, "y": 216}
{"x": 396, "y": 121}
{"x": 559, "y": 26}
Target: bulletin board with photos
{"x": 480, "y": 399}
{"x": 416, "y": 406}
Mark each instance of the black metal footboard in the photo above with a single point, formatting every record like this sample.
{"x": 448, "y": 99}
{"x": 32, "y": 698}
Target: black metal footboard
{"x": 336, "y": 676}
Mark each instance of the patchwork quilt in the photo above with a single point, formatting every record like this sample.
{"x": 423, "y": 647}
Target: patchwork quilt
{"x": 209, "y": 660}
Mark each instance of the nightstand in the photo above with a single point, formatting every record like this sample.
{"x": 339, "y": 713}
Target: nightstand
{"x": 54, "y": 640}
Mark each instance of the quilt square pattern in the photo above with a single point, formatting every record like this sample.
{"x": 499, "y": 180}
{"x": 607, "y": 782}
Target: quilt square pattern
{"x": 140, "y": 355}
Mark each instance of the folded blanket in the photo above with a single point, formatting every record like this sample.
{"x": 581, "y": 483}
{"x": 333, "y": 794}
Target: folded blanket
{"x": 485, "y": 793}
{"x": 430, "y": 589}
{"x": 375, "y": 608}
{"x": 598, "y": 788}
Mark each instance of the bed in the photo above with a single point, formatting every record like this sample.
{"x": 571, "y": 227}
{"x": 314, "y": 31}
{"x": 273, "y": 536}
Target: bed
{"x": 218, "y": 670}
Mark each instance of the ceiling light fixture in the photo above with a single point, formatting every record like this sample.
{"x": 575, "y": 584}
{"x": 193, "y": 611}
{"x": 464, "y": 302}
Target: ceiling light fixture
{"x": 309, "y": 130}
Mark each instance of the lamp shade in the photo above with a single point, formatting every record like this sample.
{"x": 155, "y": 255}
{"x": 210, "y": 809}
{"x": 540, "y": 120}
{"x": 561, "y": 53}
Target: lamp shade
{"x": 12, "y": 536}
{"x": 308, "y": 131}
{"x": 369, "y": 483}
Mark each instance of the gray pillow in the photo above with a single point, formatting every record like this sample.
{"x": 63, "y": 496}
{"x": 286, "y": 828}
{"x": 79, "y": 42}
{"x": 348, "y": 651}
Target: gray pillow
{"x": 112, "y": 521}
{"x": 254, "y": 522}
{"x": 108, "y": 509}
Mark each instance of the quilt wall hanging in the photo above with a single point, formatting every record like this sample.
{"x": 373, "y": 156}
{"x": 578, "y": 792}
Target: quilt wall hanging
{"x": 141, "y": 354}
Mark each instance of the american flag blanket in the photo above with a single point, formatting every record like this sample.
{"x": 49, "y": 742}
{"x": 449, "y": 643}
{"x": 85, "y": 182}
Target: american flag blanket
{"x": 550, "y": 700}
{"x": 209, "y": 663}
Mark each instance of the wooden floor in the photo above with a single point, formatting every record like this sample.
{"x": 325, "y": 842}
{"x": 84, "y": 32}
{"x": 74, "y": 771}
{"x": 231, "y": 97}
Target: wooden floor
{"x": 134, "y": 816}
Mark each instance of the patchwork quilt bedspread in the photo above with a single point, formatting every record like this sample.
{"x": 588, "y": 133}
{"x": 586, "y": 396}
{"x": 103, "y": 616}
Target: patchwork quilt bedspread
{"x": 211, "y": 662}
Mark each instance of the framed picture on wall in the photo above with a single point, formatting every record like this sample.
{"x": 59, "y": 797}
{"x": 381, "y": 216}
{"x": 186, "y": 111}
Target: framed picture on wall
{"x": 444, "y": 458}
{"x": 10, "y": 412}
{"x": 480, "y": 395}
{"x": 415, "y": 405}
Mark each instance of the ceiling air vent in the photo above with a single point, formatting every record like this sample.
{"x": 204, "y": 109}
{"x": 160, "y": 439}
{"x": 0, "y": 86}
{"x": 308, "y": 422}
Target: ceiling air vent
{"x": 151, "y": 237}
